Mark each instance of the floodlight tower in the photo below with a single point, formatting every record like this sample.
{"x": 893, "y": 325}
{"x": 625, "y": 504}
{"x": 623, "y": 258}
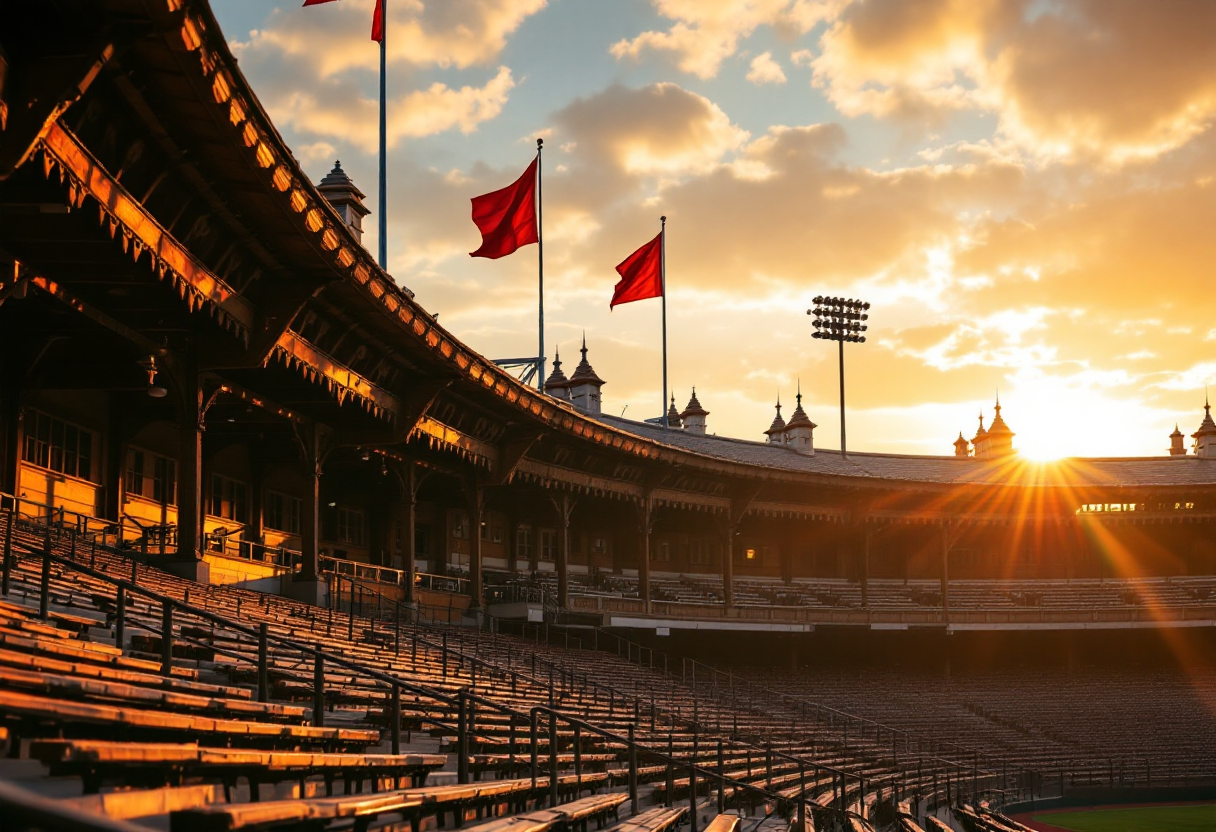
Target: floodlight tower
{"x": 840, "y": 320}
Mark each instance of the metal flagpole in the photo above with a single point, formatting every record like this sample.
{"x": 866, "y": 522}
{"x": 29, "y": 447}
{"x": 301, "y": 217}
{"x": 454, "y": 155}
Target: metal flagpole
{"x": 540, "y": 267}
{"x": 383, "y": 139}
{"x": 663, "y": 287}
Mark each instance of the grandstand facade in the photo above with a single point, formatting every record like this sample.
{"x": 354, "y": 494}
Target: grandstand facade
{"x": 243, "y": 470}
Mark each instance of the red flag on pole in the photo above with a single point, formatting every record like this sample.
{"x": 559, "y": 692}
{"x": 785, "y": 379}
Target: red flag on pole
{"x": 377, "y": 17}
{"x": 641, "y": 274}
{"x": 507, "y": 217}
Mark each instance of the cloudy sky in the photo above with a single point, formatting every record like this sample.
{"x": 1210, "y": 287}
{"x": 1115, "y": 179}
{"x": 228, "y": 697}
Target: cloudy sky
{"x": 1024, "y": 189}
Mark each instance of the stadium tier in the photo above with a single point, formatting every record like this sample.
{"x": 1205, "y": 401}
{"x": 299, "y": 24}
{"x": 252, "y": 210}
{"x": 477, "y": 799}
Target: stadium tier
{"x": 282, "y": 552}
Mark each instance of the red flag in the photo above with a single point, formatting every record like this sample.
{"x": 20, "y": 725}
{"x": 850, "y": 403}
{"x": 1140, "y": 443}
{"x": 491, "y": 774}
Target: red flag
{"x": 378, "y": 22}
{"x": 377, "y": 17}
{"x": 641, "y": 274}
{"x": 507, "y": 218}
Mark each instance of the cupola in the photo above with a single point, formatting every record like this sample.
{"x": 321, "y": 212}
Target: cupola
{"x": 961, "y": 446}
{"x": 1205, "y": 437}
{"x": 347, "y": 200}
{"x": 673, "y": 415}
{"x": 1176, "y": 439}
{"x": 980, "y": 442}
{"x": 584, "y": 385}
{"x": 800, "y": 430}
{"x": 694, "y": 415}
{"x": 776, "y": 431}
{"x": 1000, "y": 437}
{"x": 557, "y": 385}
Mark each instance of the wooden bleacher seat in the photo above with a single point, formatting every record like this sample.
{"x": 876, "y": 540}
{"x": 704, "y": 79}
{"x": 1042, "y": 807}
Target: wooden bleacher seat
{"x": 62, "y": 712}
{"x": 98, "y": 761}
{"x": 660, "y": 819}
{"x": 411, "y": 803}
{"x": 723, "y": 823}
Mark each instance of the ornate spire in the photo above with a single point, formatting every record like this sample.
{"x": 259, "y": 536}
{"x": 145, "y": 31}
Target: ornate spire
{"x": 799, "y": 418}
{"x": 673, "y": 415}
{"x": 776, "y": 430}
{"x": 557, "y": 384}
{"x": 583, "y": 374}
{"x": 960, "y": 446}
{"x": 694, "y": 407}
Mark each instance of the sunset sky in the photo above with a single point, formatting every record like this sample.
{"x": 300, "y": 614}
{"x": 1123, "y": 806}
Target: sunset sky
{"x": 1024, "y": 190}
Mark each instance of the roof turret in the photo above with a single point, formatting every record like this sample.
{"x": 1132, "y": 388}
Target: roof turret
{"x": 583, "y": 374}
{"x": 673, "y": 415}
{"x": 799, "y": 419}
{"x": 557, "y": 384}
{"x": 693, "y": 407}
{"x": 347, "y": 200}
{"x": 776, "y": 430}
{"x": 961, "y": 446}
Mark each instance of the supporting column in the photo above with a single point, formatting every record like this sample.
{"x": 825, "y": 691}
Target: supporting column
{"x": 645, "y": 526}
{"x": 409, "y": 531}
{"x": 946, "y": 571}
{"x": 564, "y": 507}
{"x": 477, "y": 504}
{"x": 306, "y": 585}
{"x": 865, "y": 567}
{"x": 257, "y": 507}
{"x": 115, "y": 466}
{"x": 14, "y": 438}
{"x": 728, "y": 565}
{"x": 188, "y": 562}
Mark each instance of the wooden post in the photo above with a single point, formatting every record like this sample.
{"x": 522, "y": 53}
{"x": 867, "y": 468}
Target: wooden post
{"x": 263, "y": 664}
{"x": 166, "y": 638}
{"x": 318, "y": 690}
{"x": 645, "y": 525}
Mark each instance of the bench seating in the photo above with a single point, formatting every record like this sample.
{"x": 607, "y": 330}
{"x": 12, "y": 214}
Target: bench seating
{"x": 659, "y": 819}
{"x": 411, "y": 803}
{"x": 723, "y": 823}
{"x": 97, "y": 761}
{"x": 64, "y": 712}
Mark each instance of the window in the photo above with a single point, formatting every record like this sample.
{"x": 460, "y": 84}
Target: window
{"x": 164, "y": 480}
{"x": 749, "y": 554}
{"x": 58, "y": 446}
{"x": 697, "y": 554}
{"x": 135, "y": 473}
{"x": 151, "y": 476}
{"x": 664, "y": 551}
{"x": 228, "y": 499}
{"x": 485, "y": 530}
{"x": 350, "y": 526}
{"x": 422, "y": 541}
{"x": 497, "y": 536}
{"x": 283, "y": 513}
{"x": 598, "y": 545}
{"x": 460, "y": 525}
{"x": 548, "y": 544}
{"x": 523, "y": 543}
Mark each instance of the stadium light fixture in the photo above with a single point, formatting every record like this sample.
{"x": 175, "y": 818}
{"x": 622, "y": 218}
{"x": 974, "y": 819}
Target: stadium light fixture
{"x": 841, "y": 320}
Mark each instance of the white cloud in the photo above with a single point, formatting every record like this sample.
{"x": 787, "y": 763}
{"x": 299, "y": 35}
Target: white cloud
{"x": 765, "y": 70}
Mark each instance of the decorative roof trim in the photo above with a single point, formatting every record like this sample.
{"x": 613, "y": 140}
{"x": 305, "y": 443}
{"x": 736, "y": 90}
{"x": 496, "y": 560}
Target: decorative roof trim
{"x": 340, "y": 380}
{"x": 170, "y": 260}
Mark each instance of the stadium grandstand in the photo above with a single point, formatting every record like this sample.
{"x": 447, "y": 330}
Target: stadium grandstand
{"x": 281, "y": 552}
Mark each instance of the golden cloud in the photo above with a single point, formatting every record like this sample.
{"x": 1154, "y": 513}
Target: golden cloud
{"x": 1118, "y": 79}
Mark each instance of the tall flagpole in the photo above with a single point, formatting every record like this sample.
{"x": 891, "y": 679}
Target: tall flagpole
{"x": 540, "y": 267}
{"x": 383, "y": 140}
{"x": 663, "y": 287}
